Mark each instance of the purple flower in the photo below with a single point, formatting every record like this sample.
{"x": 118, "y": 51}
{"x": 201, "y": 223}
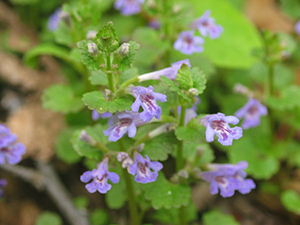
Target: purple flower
{"x": 207, "y": 26}
{"x": 297, "y": 28}
{"x": 142, "y": 168}
{"x": 100, "y": 177}
{"x": 129, "y": 7}
{"x": 187, "y": 43}
{"x": 146, "y": 98}
{"x": 122, "y": 123}
{"x": 53, "y": 20}
{"x": 228, "y": 178}
{"x": 218, "y": 124}
{"x": 8, "y": 148}
{"x": 155, "y": 24}
{"x": 251, "y": 112}
{"x": 96, "y": 115}
{"x": 170, "y": 72}
{"x": 3, "y": 183}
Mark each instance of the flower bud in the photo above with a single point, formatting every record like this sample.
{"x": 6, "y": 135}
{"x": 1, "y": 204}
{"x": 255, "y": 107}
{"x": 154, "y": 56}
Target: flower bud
{"x": 127, "y": 162}
{"x": 84, "y": 136}
{"x": 121, "y": 156}
{"x": 124, "y": 49}
{"x": 193, "y": 91}
{"x": 91, "y": 35}
{"x": 92, "y": 49}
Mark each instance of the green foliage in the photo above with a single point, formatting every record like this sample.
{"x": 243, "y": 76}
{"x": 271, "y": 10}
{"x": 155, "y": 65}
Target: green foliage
{"x": 87, "y": 59}
{"x": 233, "y": 49}
{"x": 64, "y": 148}
{"x": 99, "y": 217}
{"x": 170, "y": 216}
{"x": 173, "y": 87}
{"x": 199, "y": 154}
{"x": 152, "y": 46}
{"x": 60, "y": 98}
{"x": 85, "y": 149}
{"x": 256, "y": 148}
{"x": 184, "y": 77}
{"x": 81, "y": 202}
{"x": 96, "y": 100}
{"x": 106, "y": 38}
{"x": 216, "y": 217}
{"x": 160, "y": 147}
{"x": 192, "y": 132}
{"x": 199, "y": 80}
{"x": 163, "y": 194}
{"x": 48, "y": 218}
{"x": 291, "y": 201}
{"x": 118, "y": 190}
{"x": 63, "y": 36}
{"x": 98, "y": 77}
{"x": 288, "y": 99}
{"x": 291, "y": 8}
{"x": 128, "y": 74}
{"x": 124, "y": 63}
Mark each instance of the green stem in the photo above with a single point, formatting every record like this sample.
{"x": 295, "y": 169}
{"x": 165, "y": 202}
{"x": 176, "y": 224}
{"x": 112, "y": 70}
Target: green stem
{"x": 271, "y": 79}
{"x": 180, "y": 164}
{"x": 101, "y": 147}
{"x": 133, "y": 210}
{"x": 109, "y": 74}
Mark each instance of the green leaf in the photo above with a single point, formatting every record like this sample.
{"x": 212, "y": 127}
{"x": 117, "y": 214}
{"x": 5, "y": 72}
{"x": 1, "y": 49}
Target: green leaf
{"x": 60, "y": 98}
{"x": 118, "y": 190}
{"x": 163, "y": 194}
{"x": 63, "y": 35}
{"x": 160, "y": 147}
{"x": 199, "y": 80}
{"x": 30, "y": 58}
{"x": 289, "y": 99}
{"x": 48, "y": 218}
{"x": 291, "y": 201}
{"x": 106, "y": 38}
{"x": 64, "y": 148}
{"x": 192, "y": 132}
{"x": 257, "y": 151}
{"x": 85, "y": 149}
{"x": 99, "y": 217}
{"x": 232, "y": 49}
{"x": 98, "y": 77}
{"x": 202, "y": 153}
{"x": 128, "y": 74}
{"x": 125, "y": 62}
{"x": 81, "y": 202}
{"x": 173, "y": 87}
{"x": 86, "y": 58}
{"x": 152, "y": 46}
{"x": 170, "y": 216}
{"x": 184, "y": 77}
{"x": 291, "y": 8}
{"x": 96, "y": 100}
{"x": 216, "y": 217}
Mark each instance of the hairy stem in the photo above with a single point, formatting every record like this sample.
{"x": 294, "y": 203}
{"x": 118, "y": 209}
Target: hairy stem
{"x": 180, "y": 164}
{"x": 133, "y": 210}
{"x": 109, "y": 74}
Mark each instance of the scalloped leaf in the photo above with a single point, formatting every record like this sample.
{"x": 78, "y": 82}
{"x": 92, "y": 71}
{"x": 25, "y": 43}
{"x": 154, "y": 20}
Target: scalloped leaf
{"x": 199, "y": 80}
{"x": 125, "y": 62}
{"x": 173, "y": 87}
{"x": 86, "y": 58}
{"x": 160, "y": 147}
{"x": 60, "y": 98}
{"x": 96, "y": 100}
{"x": 184, "y": 77}
{"x": 289, "y": 99}
{"x": 98, "y": 77}
{"x": 85, "y": 149}
{"x": 163, "y": 194}
{"x": 192, "y": 132}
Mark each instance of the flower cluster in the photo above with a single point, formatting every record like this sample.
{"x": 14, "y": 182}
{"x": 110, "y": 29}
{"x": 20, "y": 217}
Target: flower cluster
{"x": 10, "y": 150}
{"x": 228, "y": 178}
{"x": 188, "y": 43}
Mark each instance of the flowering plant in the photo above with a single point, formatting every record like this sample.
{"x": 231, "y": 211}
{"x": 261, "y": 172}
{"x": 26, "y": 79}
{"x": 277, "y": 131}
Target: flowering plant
{"x": 161, "y": 97}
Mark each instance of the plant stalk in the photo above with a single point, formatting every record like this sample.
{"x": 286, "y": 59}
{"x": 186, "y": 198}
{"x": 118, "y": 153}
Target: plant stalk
{"x": 109, "y": 74}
